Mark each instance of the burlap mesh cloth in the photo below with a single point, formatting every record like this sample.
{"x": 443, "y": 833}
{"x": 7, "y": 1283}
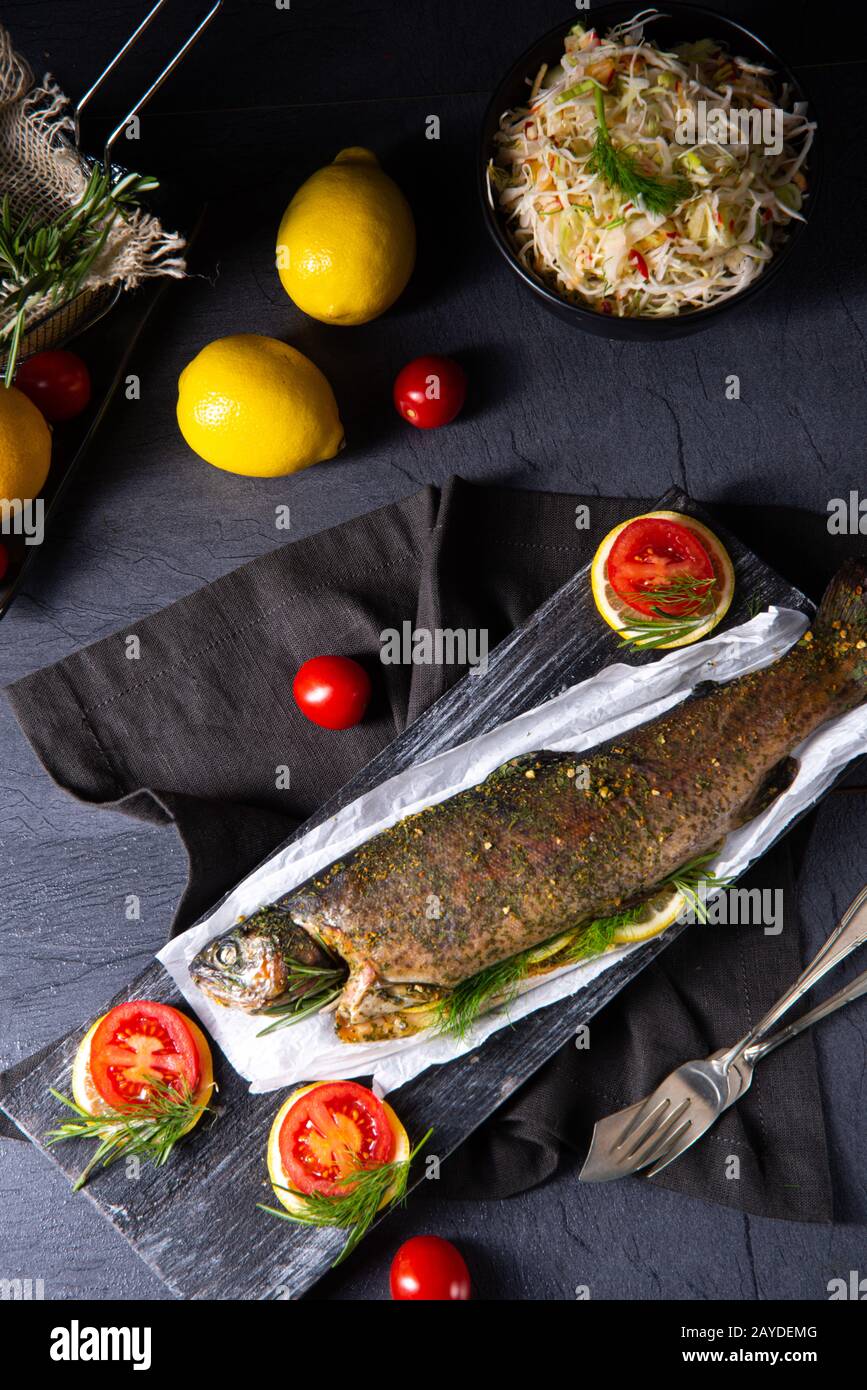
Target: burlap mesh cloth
{"x": 42, "y": 172}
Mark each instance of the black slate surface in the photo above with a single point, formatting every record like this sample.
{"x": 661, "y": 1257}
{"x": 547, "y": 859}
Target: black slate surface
{"x": 271, "y": 95}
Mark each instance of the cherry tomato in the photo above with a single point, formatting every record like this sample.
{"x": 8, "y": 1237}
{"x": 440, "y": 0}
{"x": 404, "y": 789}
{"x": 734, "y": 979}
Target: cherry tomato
{"x": 57, "y": 382}
{"x": 653, "y": 554}
{"x": 136, "y": 1042}
{"x": 4, "y": 560}
{"x": 328, "y": 1133}
{"x": 430, "y": 391}
{"x": 332, "y": 691}
{"x": 429, "y": 1268}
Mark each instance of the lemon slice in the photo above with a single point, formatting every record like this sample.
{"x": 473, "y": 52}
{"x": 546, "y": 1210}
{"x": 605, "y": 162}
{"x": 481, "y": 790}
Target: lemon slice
{"x": 658, "y": 913}
{"x": 619, "y": 614}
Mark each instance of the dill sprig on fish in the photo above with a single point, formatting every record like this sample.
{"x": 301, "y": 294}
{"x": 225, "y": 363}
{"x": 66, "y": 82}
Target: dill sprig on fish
{"x": 498, "y": 985}
{"x": 149, "y": 1132}
{"x": 366, "y": 1188}
{"x": 693, "y": 877}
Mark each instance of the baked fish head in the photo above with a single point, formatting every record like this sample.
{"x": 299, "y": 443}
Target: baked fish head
{"x": 253, "y": 966}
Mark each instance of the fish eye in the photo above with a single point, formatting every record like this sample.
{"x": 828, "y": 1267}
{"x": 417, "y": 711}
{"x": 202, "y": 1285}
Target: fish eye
{"x": 227, "y": 954}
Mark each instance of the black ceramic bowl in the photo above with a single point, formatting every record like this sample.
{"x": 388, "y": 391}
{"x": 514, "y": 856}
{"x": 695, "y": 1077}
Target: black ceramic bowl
{"x": 681, "y": 24}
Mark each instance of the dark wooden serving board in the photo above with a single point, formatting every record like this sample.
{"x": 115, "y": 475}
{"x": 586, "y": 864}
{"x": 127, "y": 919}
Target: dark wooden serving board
{"x": 195, "y": 1222}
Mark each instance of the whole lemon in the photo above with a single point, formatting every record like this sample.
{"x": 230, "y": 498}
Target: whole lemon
{"x": 346, "y": 244}
{"x": 253, "y": 405}
{"x": 25, "y": 447}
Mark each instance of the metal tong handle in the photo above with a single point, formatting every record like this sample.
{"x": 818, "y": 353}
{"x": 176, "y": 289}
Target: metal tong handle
{"x": 850, "y": 932}
{"x": 155, "y": 85}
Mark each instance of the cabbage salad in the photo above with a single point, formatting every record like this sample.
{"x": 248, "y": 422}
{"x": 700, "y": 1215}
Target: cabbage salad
{"x": 612, "y": 209}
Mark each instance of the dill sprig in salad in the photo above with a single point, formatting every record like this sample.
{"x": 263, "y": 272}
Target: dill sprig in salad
{"x": 605, "y": 202}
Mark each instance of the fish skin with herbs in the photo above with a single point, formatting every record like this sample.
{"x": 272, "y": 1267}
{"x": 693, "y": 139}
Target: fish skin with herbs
{"x": 536, "y": 850}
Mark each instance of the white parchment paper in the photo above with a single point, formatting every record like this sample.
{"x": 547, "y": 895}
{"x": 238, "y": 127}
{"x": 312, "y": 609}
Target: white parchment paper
{"x": 582, "y": 716}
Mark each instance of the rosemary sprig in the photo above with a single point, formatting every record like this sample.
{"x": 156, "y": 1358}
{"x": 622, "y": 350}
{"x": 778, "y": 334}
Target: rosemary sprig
{"x": 54, "y": 259}
{"x": 356, "y": 1210}
{"x": 666, "y": 627}
{"x": 311, "y": 989}
{"x": 149, "y": 1132}
{"x": 619, "y": 169}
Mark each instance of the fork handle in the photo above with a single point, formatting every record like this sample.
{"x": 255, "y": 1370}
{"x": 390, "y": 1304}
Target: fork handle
{"x": 850, "y": 932}
{"x": 853, "y": 990}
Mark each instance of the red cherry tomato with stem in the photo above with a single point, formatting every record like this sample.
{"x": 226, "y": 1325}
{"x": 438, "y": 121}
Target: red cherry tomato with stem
{"x": 57, "y": 382}
{"x": 429, "y": 1268}
{"x": 332, "y": 691}
{"x": 430, "y": 391}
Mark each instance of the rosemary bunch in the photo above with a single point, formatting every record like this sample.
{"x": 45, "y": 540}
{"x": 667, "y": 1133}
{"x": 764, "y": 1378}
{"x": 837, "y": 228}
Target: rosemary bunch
{"x": 366, "y": 1187}
{"x": 619, "y": 169}
{"x": 53, "y": 259}
{"x": 698, "y": 596}
{"x": 149, "y": 1132}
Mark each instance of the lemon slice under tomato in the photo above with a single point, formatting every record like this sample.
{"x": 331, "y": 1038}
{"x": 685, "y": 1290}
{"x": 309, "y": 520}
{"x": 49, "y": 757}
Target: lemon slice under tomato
{"x": 84, "y": 1090}
{"x": 658, "y": 913}
{"x": 281, "y": 1181}
{"x": 620, "y": 615}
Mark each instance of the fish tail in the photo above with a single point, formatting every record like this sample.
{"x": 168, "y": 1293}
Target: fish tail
{"x": 841, "y": 626}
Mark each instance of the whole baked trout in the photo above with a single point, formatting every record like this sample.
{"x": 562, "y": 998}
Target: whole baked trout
{"x": 547, "y": 842}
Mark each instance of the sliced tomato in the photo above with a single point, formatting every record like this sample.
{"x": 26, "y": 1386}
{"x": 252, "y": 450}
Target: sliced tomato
{"x": 652, "y": 555}
{"x": 329, "y": 1133}
{"x": 135, "y": 1043}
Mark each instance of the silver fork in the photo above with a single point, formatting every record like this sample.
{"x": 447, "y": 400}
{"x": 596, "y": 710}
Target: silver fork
{"x": 655, "y": 1131}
